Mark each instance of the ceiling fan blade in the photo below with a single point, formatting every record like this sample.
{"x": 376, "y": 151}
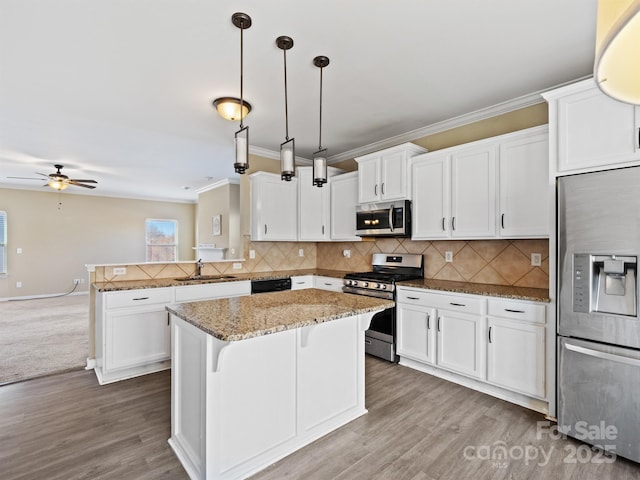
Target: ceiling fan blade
{"x": 44, "y": 175}
{"x": 81, "y": 185}
{"x": 26, "y": 178}
{"x": 72, "y": 180}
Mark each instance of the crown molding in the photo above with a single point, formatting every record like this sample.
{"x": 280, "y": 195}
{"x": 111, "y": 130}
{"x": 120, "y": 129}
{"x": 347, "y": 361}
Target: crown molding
{"x": 219, "y": 183}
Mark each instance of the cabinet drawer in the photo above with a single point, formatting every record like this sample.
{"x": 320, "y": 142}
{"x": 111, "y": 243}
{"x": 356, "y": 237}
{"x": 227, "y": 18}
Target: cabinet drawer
{"x": 329, "y": 283}
{"x": 456, "y": 303}
{"x": 134, "y": 298}
{"x": 525, "y": 311}
{"x": 210, "y": 291}
{"x": 301, "y": 282}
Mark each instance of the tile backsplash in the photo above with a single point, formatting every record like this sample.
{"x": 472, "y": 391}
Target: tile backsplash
{"x": 497, "y": 262}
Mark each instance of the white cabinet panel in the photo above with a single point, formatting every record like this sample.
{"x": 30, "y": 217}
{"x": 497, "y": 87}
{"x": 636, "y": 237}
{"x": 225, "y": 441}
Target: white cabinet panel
{"x": 313, "y": 207}
{"x": 516, "y": 356}
{"x": 300, "y": 282}
{"x": 416, "y": 333}
{"x": 344, "y": 198}
{"x": 274, "y": 212}
{"x": 431, "y": 197}
{"x": 210, "y": 291}
{"x": 328, "y": 283}
{"x": 459, "y": 343}
{"x": 524, "y": 187}
{"x": 369, "y": 180}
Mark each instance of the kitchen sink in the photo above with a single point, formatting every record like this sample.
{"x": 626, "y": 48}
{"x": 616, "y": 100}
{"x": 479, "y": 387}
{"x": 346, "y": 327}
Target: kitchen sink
{"x": 199, "y": 278}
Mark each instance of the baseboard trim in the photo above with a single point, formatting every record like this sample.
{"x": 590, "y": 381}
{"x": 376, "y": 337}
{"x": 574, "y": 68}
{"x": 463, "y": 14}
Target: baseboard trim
{"x": 48, "y": 295}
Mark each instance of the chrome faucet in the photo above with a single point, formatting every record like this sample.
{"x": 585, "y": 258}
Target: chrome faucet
{"x": 199, "y": 265}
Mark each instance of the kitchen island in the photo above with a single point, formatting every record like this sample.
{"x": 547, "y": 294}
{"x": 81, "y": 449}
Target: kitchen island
{"x": 255, "y": 378}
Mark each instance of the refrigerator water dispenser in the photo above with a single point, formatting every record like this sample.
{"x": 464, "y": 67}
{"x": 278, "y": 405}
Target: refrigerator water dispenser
{"x": 605, "y": 284}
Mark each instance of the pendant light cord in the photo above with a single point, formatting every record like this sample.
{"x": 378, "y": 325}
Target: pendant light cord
{"x": 286, "y": 103}
{"x": 320, "y": 129}
{"x": 241, "y": 73}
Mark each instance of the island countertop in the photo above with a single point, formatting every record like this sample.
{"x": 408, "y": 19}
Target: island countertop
{"x": 240, "y": 318}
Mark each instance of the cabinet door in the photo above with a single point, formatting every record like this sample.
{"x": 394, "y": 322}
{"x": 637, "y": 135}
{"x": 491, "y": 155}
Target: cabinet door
{"x": 473, "y": 191}
{"x": 274, "y": 213}
{"x": 313, "y": 209}
{"x": 414, "y": 333}
{"x": 393, "y": 177}
{"x": 524, "y": 187}
{"x": 459, "y": 343}
{"x": 594, "y": 130}
{"x": 431, "y": 207}
{"x": 516, "y": 356}
{"x": 328, "y": 283}
{"x": 344, "y": 198}
{"x": 136, "y": 337}
{"x": 368, "y": 180}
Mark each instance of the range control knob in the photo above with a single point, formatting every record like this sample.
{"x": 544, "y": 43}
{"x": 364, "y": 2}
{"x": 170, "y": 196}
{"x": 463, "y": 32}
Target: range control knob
{"x": 377, "y": 285}
{"x": 384, "y": 287}
{"x": 365, "y": 284}
{"x": 353, "y": 282}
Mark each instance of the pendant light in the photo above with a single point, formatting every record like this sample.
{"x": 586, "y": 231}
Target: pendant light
{"x": 319, "y": 157}
{"x": 242, "y": 21}
{"x": 617, "y": 59}
{"x": 288, "y": 147}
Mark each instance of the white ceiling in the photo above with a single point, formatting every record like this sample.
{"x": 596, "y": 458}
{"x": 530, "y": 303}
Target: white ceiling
{"x": 120, "y": 90}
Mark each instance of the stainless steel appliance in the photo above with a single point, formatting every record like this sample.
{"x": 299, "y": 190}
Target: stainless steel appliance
{"x": 387, "y": 269}
{"x": 598, "y": 324}
{"x": 391, "y": 219}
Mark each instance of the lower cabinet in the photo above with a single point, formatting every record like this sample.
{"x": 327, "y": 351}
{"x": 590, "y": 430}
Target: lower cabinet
{"x": 332, "y": 284}
{"x": 492, "y": 344}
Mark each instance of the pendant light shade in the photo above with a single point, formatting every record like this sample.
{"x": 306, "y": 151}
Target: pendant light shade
{"x": 319, "y": 157}
{"x": 241, "y": 164}
{"x": 288, "y": 147}
{"x": 617, "y": 58}
{"x": 230, "y": 108}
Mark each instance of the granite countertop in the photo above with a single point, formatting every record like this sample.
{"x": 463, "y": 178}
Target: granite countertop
{"x": 240, "y": 318}
{"x": 172, "y": 282}
{"x": 516, "y": 293}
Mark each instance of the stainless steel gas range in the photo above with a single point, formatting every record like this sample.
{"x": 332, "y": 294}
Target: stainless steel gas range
{"x": 387, "y": 269}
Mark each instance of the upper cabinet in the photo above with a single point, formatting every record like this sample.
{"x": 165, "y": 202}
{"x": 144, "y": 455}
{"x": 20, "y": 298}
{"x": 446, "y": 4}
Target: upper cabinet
{"x": 314, "y": 206}
{"x": 496, "y": 187}
{"x": 589, "y": 130}
{"x": 384, "y": 175}
{"x": 274, "y": 207}
{"x": 344, "y": 198}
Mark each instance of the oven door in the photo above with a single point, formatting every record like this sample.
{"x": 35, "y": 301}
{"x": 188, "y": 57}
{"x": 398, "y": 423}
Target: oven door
{"x": 380, "y": 338}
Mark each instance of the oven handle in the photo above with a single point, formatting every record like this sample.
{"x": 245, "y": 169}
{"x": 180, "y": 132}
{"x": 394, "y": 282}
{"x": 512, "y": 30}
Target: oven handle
{"x": 391, "y": 218}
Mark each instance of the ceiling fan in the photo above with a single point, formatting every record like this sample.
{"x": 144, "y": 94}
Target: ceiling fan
{"x": 60, "y": 181}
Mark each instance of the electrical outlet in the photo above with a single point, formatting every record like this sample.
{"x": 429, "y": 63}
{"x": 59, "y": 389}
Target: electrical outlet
{"x": 252, "y": 254}
{"x": 19, "y": 250}
{"x": 77, "y": 281}
{"x": 301, "y": 252}
{"x": 237, "y": 266}
{"x": 120, "y": 271}
{"x": 536, "y": 259}
{"x": 346, "y": 253}
{"x": 18, "y": 284}
{"x": 448, "y": 256}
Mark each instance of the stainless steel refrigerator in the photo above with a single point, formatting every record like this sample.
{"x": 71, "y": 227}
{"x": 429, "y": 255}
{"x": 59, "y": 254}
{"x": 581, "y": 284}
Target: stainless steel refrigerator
{"x": 598, "y": 325}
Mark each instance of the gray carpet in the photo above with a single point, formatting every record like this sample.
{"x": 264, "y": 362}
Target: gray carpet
{"x": 43, "y": 336}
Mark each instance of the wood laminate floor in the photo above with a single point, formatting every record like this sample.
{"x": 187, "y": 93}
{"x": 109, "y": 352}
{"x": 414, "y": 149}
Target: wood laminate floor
{"x": 419, "y": 427}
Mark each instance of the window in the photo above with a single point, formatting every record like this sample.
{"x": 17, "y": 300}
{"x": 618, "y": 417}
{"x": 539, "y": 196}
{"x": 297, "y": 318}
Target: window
{"x": 162, "y": 240}
{"x": 3, "y": 243}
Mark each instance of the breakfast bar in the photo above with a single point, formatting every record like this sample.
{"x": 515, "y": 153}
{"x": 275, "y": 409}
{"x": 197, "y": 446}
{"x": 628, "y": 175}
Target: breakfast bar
{"x": 255, "y": 378}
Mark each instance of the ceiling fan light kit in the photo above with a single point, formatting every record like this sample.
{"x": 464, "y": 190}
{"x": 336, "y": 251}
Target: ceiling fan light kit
{"x": 230, "y": 108}
{"x": 59, "y": 181}
{"x": 617, "y": 56}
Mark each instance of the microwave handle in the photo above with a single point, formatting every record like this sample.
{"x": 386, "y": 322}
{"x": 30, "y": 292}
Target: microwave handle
{"x": 391, "y": 218}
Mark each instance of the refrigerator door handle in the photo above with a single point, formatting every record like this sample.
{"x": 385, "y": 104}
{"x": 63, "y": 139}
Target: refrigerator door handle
{"x": 603, "y": 355}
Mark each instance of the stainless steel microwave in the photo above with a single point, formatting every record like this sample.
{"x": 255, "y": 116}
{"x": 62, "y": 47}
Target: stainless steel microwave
{"x": 390, "y": 219}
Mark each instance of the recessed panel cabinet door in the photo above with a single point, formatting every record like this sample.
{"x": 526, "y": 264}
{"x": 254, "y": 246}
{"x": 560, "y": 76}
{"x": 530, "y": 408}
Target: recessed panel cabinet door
{"x": 431, "y": 198}
{"x": 516, "y": 356}
{"x": 459, "y": 342}
{"x": 344, "y": 198}
{"x": 393, "y": 176}
{"x": 415, "y": 333}
{"x": 473, "y": 204}
{"x": 368, "y": 180}
{"x": 136, "y": 337}
{"x": 274, "y": 208}
{"x": 313, "y": 208}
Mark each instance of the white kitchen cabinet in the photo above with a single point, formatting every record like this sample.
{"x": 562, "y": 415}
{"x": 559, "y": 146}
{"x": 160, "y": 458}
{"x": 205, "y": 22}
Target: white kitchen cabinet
{"x": 589, "y": 130}
{"x": 455, "y": 193}
{"x": 385, "y": 175}
{"x": 300, "y": 282}
{"x": 461, "y": 192}
{"x": 516, "y": 346}
{"x": 524, "y": 186}
{"x": 344, "y": 198}
{"x": 132, "y": 333}
{"x": 274, "y": 207}
{"x": 494, "y": 345}
{"x": 210, "y": 291}
{"x": 416, "y": 332}
{"x": 314, "y": 206}
{"x": 332, "y": 284}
